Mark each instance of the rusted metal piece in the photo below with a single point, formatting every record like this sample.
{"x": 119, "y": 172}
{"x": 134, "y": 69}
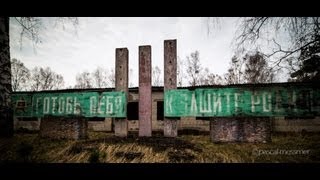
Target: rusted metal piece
{"x": 145, "y": 101}
{"x": 170, "y": 82}
{"x": 122, "y": 61}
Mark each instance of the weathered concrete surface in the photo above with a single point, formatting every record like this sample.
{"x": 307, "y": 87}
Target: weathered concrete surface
{"x": 33, "y": 125}
{"x": 170, "y": 82}
{"x": 122, "y": 61}
{"x": 6, "y": 113}
{"x": 145, "y": 106}
{"x": 100, "y": 125}
{"x": 224, "y": 130}
{"x": 64, "y": 128}
{"x": 240, "y": 130}
{"x": 256, "y": 130}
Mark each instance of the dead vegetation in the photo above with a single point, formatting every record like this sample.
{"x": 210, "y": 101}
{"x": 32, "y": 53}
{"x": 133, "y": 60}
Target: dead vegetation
{"x": 103, "y": 147}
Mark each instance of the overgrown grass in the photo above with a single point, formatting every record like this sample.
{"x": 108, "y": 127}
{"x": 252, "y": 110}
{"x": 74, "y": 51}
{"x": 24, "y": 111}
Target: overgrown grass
{"x": 103, "y": 147}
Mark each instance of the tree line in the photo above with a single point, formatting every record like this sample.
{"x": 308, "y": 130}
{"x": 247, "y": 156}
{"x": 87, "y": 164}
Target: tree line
{"x": 252, "y": 68}
{"x": 39, "y": 78}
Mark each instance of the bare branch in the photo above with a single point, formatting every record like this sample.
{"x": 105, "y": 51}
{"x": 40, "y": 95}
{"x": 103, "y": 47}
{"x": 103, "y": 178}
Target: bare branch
{"x": 30, "y": 29}
{"x": 31, "y": 26}
{"x": 302, "y": 33}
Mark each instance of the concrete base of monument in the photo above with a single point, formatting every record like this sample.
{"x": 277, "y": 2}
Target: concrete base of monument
{"x": 64, "y": 128}
{"x": 240, "y": 130}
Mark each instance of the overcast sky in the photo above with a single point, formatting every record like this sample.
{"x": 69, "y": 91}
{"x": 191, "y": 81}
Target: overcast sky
{"x": 68, "y": 51}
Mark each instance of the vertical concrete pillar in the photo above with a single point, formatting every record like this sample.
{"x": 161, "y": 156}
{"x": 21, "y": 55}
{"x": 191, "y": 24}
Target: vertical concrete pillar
{"x": 6, "y": 111}
{"x": 145, "y": 105}
{"x": 122, "y": 60}
{"x": 170, "y": 82}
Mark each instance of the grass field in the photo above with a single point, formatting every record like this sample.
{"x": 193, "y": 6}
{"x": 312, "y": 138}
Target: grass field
{"x": 103, "y": 147}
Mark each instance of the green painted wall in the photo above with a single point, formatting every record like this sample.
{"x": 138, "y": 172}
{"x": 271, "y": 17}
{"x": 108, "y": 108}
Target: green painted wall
{"x": 243, "y": 101}
{"x": 87, "y": 104}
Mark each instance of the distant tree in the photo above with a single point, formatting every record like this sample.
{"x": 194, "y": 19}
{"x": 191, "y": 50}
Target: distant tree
{"x": 194, "y": 68}
{"x": 112, "y": 78}
{"x": 45, "y": 79}
{"x": 57, "y": 82}
{"x": 209, "y": 78}
{"x": 252, "y": 68}
{"x": 36, "y": 79}
{"x": 20, "y": 75}
{"x": 156, "y": 76}
{"x": 99, "y": 76}
{"x": 257, "y": 69}
{"x": 83, "y": 80}
{"x": 235, "y": 72}
{"x": 180, "y": 72}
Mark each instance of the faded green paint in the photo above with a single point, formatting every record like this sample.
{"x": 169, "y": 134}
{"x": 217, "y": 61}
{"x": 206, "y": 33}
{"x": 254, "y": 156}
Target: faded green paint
{"x": 87, "y": 104}
{"x": 243, "y": 101}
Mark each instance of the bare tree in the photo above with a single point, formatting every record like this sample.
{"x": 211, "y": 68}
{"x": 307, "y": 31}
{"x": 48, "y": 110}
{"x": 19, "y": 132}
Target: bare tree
{"x": 257, "y": 69}
{"x": 30, "y": 29}
{"x": 99, "y": 76}
{"x": 20, "y": 75}
{"x": 252, "y": 68}
{"x": 83, "y": 80}
{"x": 301, "y": 32}
{"x": 235, "y": 71}
{"x": 45, "y": 79}
{"x": 57, "y": 82}
{"x": 112, "y": 78}
{"x": 194, "y": 68}
{"x": 309, "y": 66}
{"x": 180, "y": 72}
{"x": 156, "y": 76}
{"x": 209, "y": 78}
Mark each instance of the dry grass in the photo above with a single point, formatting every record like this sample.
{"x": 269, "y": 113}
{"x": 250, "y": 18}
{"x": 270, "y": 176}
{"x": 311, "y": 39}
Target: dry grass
{"x": 106, "y": 148}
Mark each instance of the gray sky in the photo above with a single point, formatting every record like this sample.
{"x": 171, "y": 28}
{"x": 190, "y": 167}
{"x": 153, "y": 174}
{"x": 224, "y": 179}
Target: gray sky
{"x": 93, "y": 44}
